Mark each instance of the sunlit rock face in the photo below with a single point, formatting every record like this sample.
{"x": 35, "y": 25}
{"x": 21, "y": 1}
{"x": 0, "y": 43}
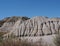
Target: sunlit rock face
{"x": 7, "y": 26}
{"x": 37, "y": 26}
{"x": 9, "y": 22}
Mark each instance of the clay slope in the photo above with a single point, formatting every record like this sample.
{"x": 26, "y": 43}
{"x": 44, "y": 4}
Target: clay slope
{"x": 7, "y": 23}
{"x": 35, "y": 29}
{"x": 37, "y": 26}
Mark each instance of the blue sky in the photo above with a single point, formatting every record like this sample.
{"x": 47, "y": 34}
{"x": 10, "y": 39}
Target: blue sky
{"x": 29, "y": 8}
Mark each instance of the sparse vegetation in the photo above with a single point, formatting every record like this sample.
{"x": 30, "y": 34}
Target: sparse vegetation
{"x": 19, "y": 42}
{"x": 1, "y": 36}
{"x": 14, "y": 41}
{"x": 57, "y": 40}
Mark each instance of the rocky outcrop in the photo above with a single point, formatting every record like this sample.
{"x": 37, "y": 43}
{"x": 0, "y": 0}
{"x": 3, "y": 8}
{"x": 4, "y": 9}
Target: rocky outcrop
{"x": 37, "y": 26}
{"x": 8, "y": 23}
{"x": 33, "y": 29}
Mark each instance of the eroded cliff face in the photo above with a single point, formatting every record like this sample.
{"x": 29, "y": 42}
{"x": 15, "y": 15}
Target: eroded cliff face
{"x": 37, "y": 26}
{"x": 34, "y": 29}
{"x": 7, "y": 23}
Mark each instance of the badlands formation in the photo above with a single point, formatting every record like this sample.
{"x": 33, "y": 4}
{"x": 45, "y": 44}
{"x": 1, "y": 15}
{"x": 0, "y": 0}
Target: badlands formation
{"x": 32, "y": 29}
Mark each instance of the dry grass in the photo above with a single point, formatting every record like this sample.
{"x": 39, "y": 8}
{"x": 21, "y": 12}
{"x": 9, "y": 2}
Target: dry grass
{"x": 18, "y": 42}
{"x": 11, "y": 42}
{"x": 57, "y": 40}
